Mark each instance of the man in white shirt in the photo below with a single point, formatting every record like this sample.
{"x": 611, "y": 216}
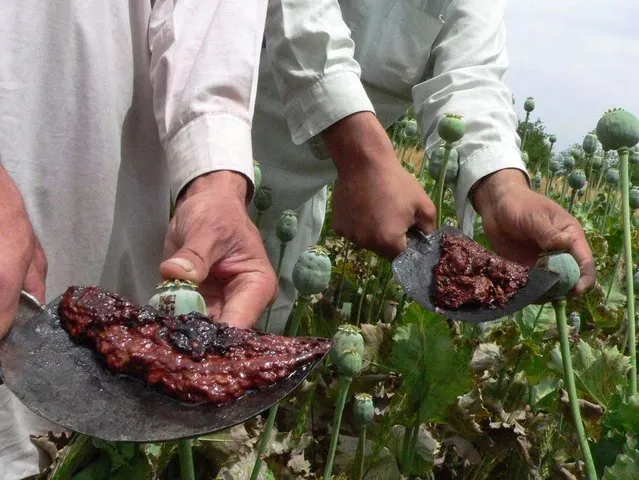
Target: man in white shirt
{"x": 104, "y": 108}
{"x": 439, "y": 56}
{"x": 83, "y": 151}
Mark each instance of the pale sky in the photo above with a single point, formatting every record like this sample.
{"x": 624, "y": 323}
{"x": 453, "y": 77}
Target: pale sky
{"x": 576, "y": 58}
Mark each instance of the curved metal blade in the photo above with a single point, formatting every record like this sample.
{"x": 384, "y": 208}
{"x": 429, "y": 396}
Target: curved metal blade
{"x": 64, "y": 383}
{"x": 413, "y": 270}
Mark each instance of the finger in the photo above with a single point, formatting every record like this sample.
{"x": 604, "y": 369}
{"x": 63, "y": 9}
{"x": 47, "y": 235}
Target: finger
{"x": 582, "y": 253}
{"x": 10, "y": 286}
{"x": 426, "y": 215}
{"x": 35, "y": 279}
{"x": 547, "y": 235}
{"x": 248, "y": 296}
{"x": 202, "y": 247}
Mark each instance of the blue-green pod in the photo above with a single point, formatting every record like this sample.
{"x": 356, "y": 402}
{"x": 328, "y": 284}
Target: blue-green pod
{"x": 257, "y": 174}
{"x": 263, "y": 199}
{"x": 177, "y": 297}
{"x": 618, "y": 129}
{"x": 590, "y": 143}
{"x": 452, "y": 167}
{"x": 612, "y": 176}
{"x": 577, "y": 179}
{"x": 564, "y": 265}
{"x": 287, "y": 226}
{"x": 569, "y": 163}
{"x": 633, "y": 198}
{"x": 312, "y": 271}
{"x": 529, "y": 104}
{"x": 451, "y": 128}
{"x": 363, "y": 410}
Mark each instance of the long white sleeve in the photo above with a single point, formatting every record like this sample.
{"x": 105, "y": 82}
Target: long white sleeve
{"x": 204, "y": 70}
{"x": 466, "y": 68}
{"x": 311, "y": 54}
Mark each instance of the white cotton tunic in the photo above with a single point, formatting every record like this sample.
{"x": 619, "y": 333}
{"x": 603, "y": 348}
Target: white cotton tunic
{"x": 81, "y": 86}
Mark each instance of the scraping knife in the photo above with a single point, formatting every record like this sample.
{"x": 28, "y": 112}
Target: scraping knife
{"x": 65, "y": 383}
{"x": 413, "y": 270}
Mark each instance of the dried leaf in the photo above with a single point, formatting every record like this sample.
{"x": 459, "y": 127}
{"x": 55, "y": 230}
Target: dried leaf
{"x": 487, "y": 356}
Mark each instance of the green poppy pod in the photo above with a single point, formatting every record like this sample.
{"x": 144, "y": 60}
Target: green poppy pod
{"x": 596, "y": 161}
{"x": 350, "y": 362}
{"x": 590, "y": 143}
{"x": 617, "y": 129}
{"x": 612, "y": 176}
{"x": 363, "y": 409}
{"x": 576, "y": 153}
{"x": 286, "y": 229}
{"x": 566, "y": 267}
{"x": 569, "y": 163}
{"x": 529, "y": 104}
{"x": 347, "y": 336}
{"x": 574, "y": 320}
{"x": 312, "y": 271}
{"x": 263, "y": 199}
{"x": 177, "y": 297}
{"x": 555, "y": 166}
{"x": 451, "y": 128}
{"x": 577, "y": 179}
{"x": 411, "y": 128}
{"x": 536, "y": 180}
{"x": 452, "y": 167}
{"x": 257, "y": 174}
{"x": 552, "y": 138}
{"x": 633, "y": 198}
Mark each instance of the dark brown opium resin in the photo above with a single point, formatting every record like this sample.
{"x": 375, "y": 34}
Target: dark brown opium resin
{"x": 469, "y": 275}
{"x": 188, "y": 356}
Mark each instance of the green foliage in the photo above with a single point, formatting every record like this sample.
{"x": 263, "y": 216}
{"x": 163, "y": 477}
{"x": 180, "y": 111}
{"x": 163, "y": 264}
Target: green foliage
{"x": 627, "y": 465}
{"x": 434, "y": 370}
{"x": 598, "y": 371}
{"x": 623, "y": 415}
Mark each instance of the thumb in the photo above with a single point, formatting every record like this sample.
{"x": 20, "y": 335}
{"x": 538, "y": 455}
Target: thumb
{"x": 547, "y": 235}
{"x": 190, "y": 262}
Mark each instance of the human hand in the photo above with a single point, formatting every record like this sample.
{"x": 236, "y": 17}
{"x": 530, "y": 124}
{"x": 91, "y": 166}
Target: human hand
{"x": 520, "y": 224}
{"x": 212, "y": 241}
{"x": 23, "y": 264}
{"x": 375, "y": 200}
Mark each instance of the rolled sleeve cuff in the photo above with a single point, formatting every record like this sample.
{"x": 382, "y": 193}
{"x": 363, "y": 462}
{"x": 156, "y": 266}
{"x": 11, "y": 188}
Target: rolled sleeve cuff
{"x": 328, "y": 100}
{"x": 207, "y": 144}
{"x": 481, "y": 163}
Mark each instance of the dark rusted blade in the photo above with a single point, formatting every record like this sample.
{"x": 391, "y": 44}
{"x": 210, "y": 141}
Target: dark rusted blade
{"x": 413, "y": 270}
{"x": 65, "y": 383}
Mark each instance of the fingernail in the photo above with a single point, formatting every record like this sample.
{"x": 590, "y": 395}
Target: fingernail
{"x": 183, "y": 263}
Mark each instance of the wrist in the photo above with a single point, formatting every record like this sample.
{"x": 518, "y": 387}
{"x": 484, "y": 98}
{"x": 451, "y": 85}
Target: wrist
{"x": 491, "y": 188}
{"x": 9, "y": 193}
{"x": 356, "y": 142}
{"x": 226, "y": 183}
